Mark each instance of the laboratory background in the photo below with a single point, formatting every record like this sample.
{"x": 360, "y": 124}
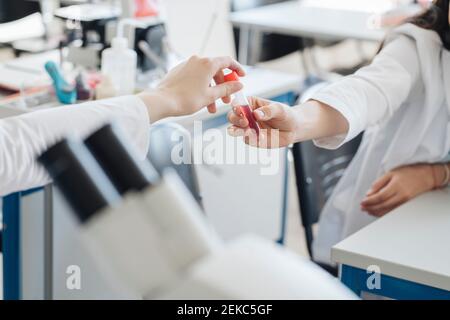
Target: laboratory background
{"x": 350, "y": 202}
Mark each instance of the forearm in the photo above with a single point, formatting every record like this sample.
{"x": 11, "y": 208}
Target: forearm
{"x": 24, "y": 137}
{"x": 159, "y": 104}
{"x": 317, "y": 120}
{"x": 403, "y": 184}
{"x": 440, "y": 173}
{"x": 430, "y": 176}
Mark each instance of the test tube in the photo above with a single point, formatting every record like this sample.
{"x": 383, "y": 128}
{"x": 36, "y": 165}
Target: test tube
{"x": 240, "y": 100}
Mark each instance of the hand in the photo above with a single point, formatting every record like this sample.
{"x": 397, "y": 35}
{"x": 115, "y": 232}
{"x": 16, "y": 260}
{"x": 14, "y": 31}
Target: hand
{"x": 187, "y": 88}
{"x": 277, "y": 121}
{"x": 399, "y": 186}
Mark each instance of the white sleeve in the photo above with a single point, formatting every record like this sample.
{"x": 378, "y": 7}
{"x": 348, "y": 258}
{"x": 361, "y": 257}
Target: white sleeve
{"x": 374, "y": 92}
{"x": 24, "y": 137}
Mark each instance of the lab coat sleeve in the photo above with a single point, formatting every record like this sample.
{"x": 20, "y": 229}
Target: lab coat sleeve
{"x": 25, "y": 137}
{"x": 373, "y": 93}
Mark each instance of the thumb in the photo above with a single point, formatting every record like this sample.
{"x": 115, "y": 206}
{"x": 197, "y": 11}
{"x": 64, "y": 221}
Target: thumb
{"x": 269, "y": 112}
{"x": 225, "y": 89}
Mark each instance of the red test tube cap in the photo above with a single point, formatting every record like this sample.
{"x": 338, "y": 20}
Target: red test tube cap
{"x": 232, "y": 76}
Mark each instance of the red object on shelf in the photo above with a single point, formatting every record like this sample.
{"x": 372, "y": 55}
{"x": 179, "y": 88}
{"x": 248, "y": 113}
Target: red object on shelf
{"x": 146, "y": 8}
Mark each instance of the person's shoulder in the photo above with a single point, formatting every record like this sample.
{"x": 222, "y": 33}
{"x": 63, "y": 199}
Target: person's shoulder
{"x": 424, "y": 46}
{"x": 417, "y": 34}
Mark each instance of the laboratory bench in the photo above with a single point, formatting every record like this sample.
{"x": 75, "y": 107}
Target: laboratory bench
{"x": 409, "y": 249}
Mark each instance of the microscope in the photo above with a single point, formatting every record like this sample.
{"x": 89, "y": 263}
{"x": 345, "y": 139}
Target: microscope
{"x": 148, "y": 230}
{"x": 89, "y": 29}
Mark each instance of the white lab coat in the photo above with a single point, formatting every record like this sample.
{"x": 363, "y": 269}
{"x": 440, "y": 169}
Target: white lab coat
{"x": 24, "y": 137}
{"x": 402, "y": 101}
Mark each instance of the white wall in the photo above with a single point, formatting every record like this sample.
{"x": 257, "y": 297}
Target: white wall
{"x": 189, "y": 24}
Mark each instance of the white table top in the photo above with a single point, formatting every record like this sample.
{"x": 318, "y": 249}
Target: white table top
{"x": 411, "y": 243}
{"x": 295, "y": 18}
{"x": 258, "y": 82}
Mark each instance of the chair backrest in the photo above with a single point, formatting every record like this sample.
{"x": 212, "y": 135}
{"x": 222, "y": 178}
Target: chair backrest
{"x": 169, "y": 144}
{"x": 317, "y": 172}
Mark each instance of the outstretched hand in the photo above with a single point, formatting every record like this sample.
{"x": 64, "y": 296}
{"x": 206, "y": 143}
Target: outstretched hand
{"x": 277, "y": 122}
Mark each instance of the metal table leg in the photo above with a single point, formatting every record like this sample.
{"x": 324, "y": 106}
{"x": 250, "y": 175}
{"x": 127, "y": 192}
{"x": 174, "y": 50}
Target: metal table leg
{"x": 48, "y": 243}
{"x": 244, "y": 44}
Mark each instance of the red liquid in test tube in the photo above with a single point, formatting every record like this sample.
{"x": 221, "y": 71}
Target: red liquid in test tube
{"x": 241, "y": 101}
{"x": 250, "y": 117}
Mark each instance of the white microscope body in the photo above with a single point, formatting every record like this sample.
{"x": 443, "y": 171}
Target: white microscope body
{"x": 158, "y": 243}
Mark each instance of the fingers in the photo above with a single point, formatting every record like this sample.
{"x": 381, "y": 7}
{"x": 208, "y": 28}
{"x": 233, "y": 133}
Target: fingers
{"x": 239, "y": 132}
{"x": 385, "y": 207}
{"x": 262, "y": 140}
{"x": 236, "y": 118}
{"x": 249, "y": 135}
{"x": 382, "y": 195}
{"x": 380, "y": 201}
{"x": 263, "y": 113}
{"x": 216, "y": 64}
{"x": 219, "y": 79}
{"x": 212, "y": 108}
{"x": 269, "y": 112}
{"x": 256, "y": 102}
{"x": 220, "y": 63}
{"x": 224, "y": 90}
{"x": 269, "y": 135}
{"x": 380, "y": 183}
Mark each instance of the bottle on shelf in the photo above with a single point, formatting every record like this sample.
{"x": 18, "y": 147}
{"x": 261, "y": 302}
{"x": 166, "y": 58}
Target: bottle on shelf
{"x": 119, "y": 63}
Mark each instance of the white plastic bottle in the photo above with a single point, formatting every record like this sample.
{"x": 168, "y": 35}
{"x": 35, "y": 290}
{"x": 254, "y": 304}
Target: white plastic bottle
{"x": 119, "y": 63}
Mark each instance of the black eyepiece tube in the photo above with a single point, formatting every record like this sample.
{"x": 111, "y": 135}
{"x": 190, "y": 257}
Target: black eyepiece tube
{"x": 79, "y": 178}
{"x": 119, "y": 161}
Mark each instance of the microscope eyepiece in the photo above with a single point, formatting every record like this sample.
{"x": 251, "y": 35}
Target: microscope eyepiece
{"x": 79, "y": 178}
{"x": 119, "y": 161}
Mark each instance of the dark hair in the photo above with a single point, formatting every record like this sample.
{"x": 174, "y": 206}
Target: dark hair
{"x": 436, "y": 18}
